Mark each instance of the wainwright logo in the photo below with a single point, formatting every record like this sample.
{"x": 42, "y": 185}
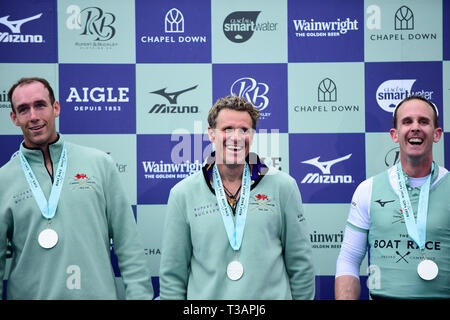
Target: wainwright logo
{"x": 82, "y": 182}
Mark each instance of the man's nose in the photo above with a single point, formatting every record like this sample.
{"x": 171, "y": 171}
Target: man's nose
{"x": 34, "y": 114}
{"x": 237, "y": 134}
{"x": 415, "y": 125}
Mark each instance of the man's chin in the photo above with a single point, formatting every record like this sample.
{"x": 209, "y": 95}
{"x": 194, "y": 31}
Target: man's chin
{"x": 232, "y": 161}
{"x": 36, "y": 142}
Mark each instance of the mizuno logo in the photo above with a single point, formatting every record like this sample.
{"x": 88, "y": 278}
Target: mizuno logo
{"x": 325, "y": 166}
{"x": 14, "y": 26}
{"x": 383, "y": 203}
{"x": 172, "y": 97}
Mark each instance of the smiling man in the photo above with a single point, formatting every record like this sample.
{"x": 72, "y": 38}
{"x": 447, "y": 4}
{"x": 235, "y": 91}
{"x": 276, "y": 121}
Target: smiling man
{"x": 403, "y": 215}
{"x": 236, "y": 229}
{"x": 60, "y": 206}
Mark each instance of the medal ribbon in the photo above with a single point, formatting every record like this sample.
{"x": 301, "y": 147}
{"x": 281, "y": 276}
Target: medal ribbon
{"x": 48, "y": 209}
{"x": 416, "y": 229}
{"x": 234, "y": 231}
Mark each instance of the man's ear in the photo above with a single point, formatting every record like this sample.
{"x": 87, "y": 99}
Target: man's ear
{"x": 437, "y": 134}
{"x": 56, "y": 109}
{"x": 394, "y": 134}
{"x": 211, "y": 134}
{"x": 13, "y": 117}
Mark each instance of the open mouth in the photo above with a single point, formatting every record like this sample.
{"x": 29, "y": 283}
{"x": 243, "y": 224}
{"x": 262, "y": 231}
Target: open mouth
{"x": 234, "y": 148}
{"x": 36, "y": 128}
{"x": 415, "y": 141}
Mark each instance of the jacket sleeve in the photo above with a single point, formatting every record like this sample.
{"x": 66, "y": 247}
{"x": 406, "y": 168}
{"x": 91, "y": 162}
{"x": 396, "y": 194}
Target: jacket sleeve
{"x": 3, "y": 246}
{"x": 6, "y": 224}
{"x": 176, "y": 251}
{"x": 297, "y": 246}
{"x": 127, "y": 244}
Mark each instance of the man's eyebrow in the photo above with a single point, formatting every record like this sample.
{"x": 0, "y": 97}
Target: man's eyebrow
{"x": 420, "y": 118}
{"x": 39, "y": 101}
{"x": 23, "y": 105}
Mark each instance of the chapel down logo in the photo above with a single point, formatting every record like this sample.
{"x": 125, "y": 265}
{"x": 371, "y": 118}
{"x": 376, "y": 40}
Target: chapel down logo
{"x": 325, "y": 167}
{"x": 403, "y": 22}
{"x": 172, "y": 98}
{"x": 327, "y": 91}
{"x": 174, "y": 21}
{"x": 404, "y": 19}
{"x": 174, "y": 31}
{"x": 239, "y": 26}
{"x": 327, "y": 97}
{"x": 92, "y": 21}
{"x": 15, "y": 27}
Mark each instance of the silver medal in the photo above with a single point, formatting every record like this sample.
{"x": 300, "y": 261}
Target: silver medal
{"x": 48, "y": 238}
{"x": 427, "y": 269}
{"x": 235, "y": 270}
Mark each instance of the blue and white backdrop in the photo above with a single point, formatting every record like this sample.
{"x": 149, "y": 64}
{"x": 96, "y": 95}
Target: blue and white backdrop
{"x": 136, "y": 79}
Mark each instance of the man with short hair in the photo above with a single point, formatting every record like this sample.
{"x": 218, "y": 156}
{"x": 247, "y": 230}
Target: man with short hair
{"x": 60, "y": 206}
{"x": 403, "y": 216}
{"x": 236, "y": 229}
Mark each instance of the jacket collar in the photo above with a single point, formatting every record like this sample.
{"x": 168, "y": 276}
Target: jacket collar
{"x": 36, "y": 154}
{"x": 257, "y": 168}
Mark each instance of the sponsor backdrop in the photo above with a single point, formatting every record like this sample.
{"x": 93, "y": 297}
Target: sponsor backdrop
{"x": 136, "y": 79}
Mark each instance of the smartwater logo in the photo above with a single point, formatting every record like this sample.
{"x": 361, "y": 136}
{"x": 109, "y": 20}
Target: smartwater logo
{"x": 391, "y": 92}
{"x": 325, "y": 167}
{"x": 14, "y": 26}
{"x": 239, "y": 26}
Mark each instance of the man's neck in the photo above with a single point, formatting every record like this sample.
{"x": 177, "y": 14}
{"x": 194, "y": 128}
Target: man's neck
{"x": 231, "y": 174}
{"x": 417, "y": 169}
{"x": 47, "y": 159}
{"x": 46, "y": 152}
